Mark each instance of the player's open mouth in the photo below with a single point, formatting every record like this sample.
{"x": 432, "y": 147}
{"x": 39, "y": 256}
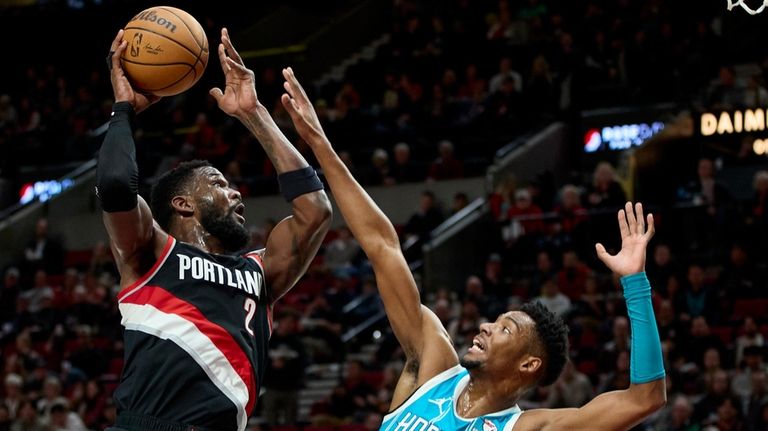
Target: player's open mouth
{"x": 239, "y": 210}
{"x": 477, "y": 345}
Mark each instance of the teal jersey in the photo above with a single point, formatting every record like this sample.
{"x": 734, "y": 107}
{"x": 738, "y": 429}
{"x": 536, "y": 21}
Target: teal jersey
{"x": 433, "y": 408}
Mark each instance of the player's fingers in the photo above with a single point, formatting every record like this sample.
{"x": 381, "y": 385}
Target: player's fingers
{"x": 294, "y": 82}
{"x": 231, "y": 51}
{"x": 116, "y": 65}
{"x": 602, "y": 253}
{"x": 631, "y": 220}
{"x": 223, "y": 58}
{"x": 623, "y": 226}
{"x": 216, "y": 93}
{"x": 640, "y": 218}
{"x": 651, "y": 227}
{"x": 117, "y": 40}
{"x": 233, "y": 64}
{"x": 289, "y": 104}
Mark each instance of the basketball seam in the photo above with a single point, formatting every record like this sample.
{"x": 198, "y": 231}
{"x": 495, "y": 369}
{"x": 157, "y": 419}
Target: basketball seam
{"x": 165, "y": 37}
{"x": 185, "y": 25}
{"x": 158, "y": 64}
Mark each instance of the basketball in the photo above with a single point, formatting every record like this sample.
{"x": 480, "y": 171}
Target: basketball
{"x": 167, "y": 51}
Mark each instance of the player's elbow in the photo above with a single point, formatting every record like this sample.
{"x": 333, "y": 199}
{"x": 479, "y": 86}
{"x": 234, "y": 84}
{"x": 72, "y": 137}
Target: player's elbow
{"x": 652, "y": 397}
{"x": 323, "y": 213}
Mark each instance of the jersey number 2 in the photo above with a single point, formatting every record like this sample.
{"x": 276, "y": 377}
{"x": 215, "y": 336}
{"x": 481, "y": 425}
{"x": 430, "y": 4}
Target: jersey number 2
{"x": 250, "y": 308}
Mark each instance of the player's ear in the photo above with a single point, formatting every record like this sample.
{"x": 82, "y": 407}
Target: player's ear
{"x": 183, "y": 205}
{"x": 530, "y": 365}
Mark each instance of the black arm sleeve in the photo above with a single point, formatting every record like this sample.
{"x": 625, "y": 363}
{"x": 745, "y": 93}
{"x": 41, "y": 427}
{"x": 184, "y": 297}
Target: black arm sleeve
{"x": 117, "y": 175}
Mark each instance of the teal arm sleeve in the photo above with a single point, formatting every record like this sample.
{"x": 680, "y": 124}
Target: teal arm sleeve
{"x": 646, "y": 362}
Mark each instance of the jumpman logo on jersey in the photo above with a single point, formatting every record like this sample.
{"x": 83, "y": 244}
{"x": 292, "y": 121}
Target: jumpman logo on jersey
{"x": 440, "y": 403}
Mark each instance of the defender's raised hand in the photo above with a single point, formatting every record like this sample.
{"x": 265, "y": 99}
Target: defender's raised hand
{"x": 634, "y": 241}
{"x": 239, "y": 96}
{"x": 121, "y": 87}
{"x": 301, "y": 110}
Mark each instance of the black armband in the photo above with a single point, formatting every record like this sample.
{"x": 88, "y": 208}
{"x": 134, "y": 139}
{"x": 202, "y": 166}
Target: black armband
{"x": 296, "y": 183}
{"x": 117, "y": 175}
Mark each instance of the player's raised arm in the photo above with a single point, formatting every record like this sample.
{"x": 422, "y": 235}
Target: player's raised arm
{"x": 127, "y": 216}
{"x": 294, "y": 241}
{"x": 621, "y": 410}
{"x": 418, "y": 330}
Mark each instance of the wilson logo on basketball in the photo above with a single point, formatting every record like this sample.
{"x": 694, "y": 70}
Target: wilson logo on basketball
{"x": 151, "y": 16}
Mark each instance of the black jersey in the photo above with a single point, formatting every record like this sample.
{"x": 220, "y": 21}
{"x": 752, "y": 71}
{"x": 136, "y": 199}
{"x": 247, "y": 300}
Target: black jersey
{"x": 197, "y": 327}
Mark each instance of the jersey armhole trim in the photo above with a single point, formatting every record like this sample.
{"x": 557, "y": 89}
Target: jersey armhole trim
{"x": 138, "y": 284}
{"x": 418, "y": 393}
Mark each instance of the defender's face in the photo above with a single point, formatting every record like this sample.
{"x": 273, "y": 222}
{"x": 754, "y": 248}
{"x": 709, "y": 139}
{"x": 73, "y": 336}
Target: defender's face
{"x": 214, "y": 193}
{"x": 500, "y": 344}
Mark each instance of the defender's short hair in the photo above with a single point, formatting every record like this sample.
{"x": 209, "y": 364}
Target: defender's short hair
{"x": 170, "y": 184}
{"x": 552, "y": 337}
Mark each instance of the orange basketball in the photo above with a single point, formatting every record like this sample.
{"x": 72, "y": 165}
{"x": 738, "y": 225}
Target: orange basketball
{"x": 167, "y": 51}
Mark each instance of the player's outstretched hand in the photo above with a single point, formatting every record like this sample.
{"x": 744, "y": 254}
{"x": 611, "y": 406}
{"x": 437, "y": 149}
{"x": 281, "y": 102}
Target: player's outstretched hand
{"x": 121, "y": 87}
{"x": 301, "y": 110}
{"x": 634, "y": 241}
{"x": 239, "y": 96}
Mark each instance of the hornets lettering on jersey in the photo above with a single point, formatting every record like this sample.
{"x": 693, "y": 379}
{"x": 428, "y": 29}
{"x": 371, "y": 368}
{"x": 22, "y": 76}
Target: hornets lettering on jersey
{"x": 433, "y": 408}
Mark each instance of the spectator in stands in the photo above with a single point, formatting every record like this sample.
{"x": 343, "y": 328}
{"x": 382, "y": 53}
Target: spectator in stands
{"x": 101, "y": 260}
{"x": 541, "y": 92}
{"x": 553, "y": 299}
{"x": 43, "y": 251}
{"x": 459, "y": 202}
{"x": 606, "y": 191}
{"x": 748, "y": 336}
{"x": 464, "y": 328}
{"x": 505, "y": 106}
{"x": 699, "y": 341}
{"x": 51, "y": 394}
{"x": 545, "y": 270}
{"x": 446, "y": 166}
{"x": 13, "y": 397}
{"x": 754, "y": 402}
{"x": 505, "y": 71}
{"x": 728, "y": 416}
{"x": 619, "y": 342}
{"x": 570, "y": 211}
{"x": 755, "y": 93}
{"x": 380, "y": 171}
{"x": 27, "y": 419}
{"x": 700, "y": 299}
{"x": 339, "y": 254}
{"x": 573, "y": 275}
{"x": 404, "y": 170}
{"x": 9, "y": 293}
{"x": 322, "y": 324}
{"x": 427, "y": 217}
{"x": 40, "y": 296}
{"x": 679, "y": 418}
{"x": 741, "y": 381}
{"x": 661, "y": 267}
{"x": 502, "y": 198}
{"x": 284, "y": 375}
{"x": 726, "y": 92}
{"x": 526, "y": 214}
{"x": 63, "y": 419}
{"x": 737, "y": 279}
{"x": 474, "y": 291}
{"x": 572, "y": 389}
{"x": 617, "y": 376}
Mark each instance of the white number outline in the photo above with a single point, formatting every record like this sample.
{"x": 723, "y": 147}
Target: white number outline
{"x": 250, "y": 307}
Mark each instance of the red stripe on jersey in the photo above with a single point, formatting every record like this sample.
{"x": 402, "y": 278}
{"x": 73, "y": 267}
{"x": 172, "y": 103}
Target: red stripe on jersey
{"x": 168, "y": 303}
{"x": 144, "y": 278}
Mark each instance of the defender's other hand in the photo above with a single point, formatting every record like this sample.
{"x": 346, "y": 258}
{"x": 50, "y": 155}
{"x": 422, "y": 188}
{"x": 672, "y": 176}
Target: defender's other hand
{"x": 634, "y": 242}
{"x": 301, "y": 110}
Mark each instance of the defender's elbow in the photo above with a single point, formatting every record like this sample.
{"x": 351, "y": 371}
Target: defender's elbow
{"x": 322, "y": 214}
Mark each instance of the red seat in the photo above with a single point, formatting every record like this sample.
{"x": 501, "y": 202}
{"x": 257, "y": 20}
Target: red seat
{"x": 756, "y": 308}
{"x": 587, "y": 367}
{"x": 724, "y": 333}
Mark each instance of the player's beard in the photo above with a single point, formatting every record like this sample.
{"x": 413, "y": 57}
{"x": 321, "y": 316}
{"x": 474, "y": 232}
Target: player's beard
{"x": 232, "y": 235}
{"x": 469, "y": 364}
